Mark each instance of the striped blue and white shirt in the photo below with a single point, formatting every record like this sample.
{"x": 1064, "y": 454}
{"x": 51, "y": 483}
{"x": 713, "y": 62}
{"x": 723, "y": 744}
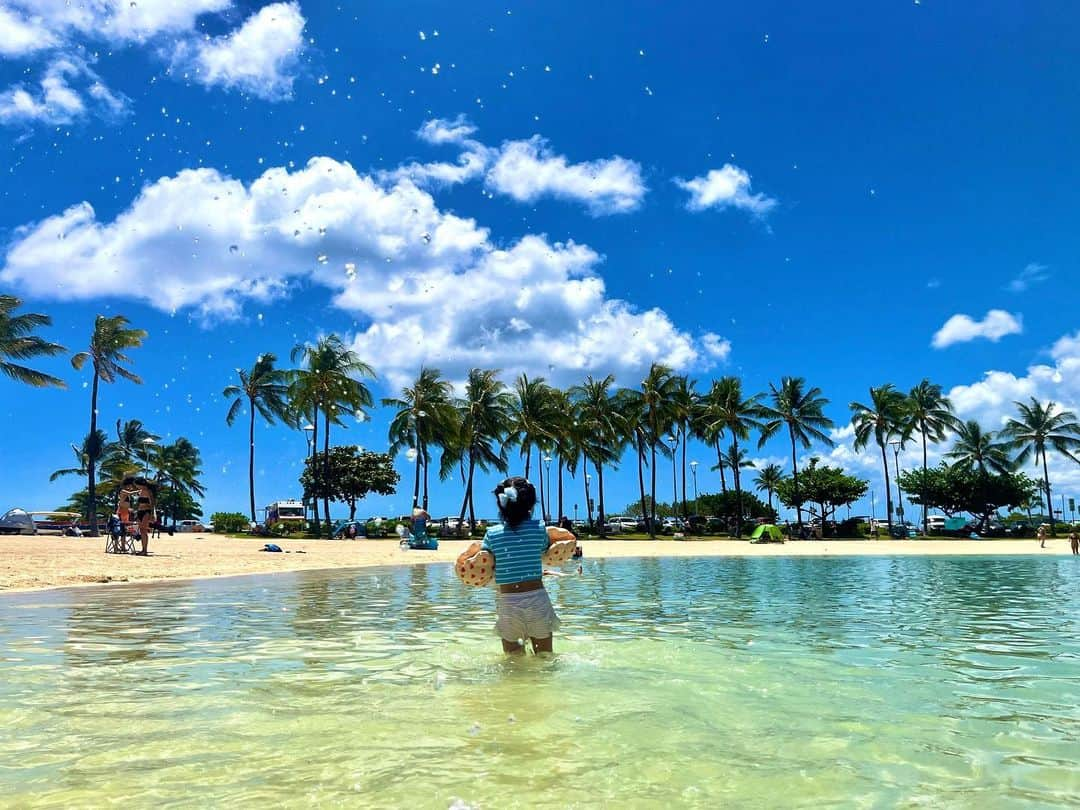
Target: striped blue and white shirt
{"x": 517, "y": 551}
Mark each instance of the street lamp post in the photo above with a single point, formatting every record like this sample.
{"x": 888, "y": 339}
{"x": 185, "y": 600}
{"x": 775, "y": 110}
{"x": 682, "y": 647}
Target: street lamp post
{"x": 309, "y": 430}
{"x": 899, "y": 496}
{"x": 547, "y": 491}
{"x": 588, "y": 500}
{"x": 673, "y": 442}
{"x": 693, "y": 473}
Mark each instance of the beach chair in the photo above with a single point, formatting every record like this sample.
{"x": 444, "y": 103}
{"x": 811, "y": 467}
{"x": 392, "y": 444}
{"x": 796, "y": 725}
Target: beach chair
{"x": 120, "y": 542}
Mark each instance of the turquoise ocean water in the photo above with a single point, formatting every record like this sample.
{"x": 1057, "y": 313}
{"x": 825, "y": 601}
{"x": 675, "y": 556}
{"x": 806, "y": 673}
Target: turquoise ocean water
{"x": 845, "y": 682}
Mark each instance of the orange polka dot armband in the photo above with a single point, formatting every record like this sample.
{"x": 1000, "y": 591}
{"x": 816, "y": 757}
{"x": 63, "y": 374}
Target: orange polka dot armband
{"x": 561, "y": 545}
{"x": 475, "y": 566}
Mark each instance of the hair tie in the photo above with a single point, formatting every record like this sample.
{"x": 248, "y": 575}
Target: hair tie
{"x": 508, "y": 495}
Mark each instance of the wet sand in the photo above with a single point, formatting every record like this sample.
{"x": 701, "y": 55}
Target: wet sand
{"x": 28, "y": 563}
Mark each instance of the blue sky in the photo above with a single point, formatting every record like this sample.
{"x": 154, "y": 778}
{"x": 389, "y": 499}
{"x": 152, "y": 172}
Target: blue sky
{"x": 854, "y": 195}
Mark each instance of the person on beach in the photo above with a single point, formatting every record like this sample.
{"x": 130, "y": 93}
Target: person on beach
{"x": 420, "y": 518}
{"x": 145, "y": 493}
{"x": 1040, "y": 535}
{"x": 523, "y": 609}
{"x": 1074, "y": 542}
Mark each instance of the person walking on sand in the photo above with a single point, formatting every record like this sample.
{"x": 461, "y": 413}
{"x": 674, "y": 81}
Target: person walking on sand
{"x": 1040, "y": 535}
{"x": 522, "y": 607}
{"x": 1074, "y": 542}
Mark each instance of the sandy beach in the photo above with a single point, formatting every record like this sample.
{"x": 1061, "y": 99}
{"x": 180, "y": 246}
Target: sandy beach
{"x": 31, "y": 563}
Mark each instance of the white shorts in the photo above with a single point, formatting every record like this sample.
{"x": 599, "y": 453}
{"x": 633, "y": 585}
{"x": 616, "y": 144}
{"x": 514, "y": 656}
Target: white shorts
{"x": 524, "y": 615}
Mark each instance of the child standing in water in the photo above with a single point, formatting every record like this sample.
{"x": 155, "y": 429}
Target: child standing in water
{"x": 523, "y": 609}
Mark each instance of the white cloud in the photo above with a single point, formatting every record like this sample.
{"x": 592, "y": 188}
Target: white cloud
{"x": 260, "y": 57}
{"x": 425, "y": 285}
{"x": 446, "y": 130}
{"x": 1032, "y": 274}
{"x": 529, "y": 170}
{"x": 59, "y": 98}
{"x": 21, "y": 34}
{"x": 727, "y": 187}
{"x": 996, "y": 324}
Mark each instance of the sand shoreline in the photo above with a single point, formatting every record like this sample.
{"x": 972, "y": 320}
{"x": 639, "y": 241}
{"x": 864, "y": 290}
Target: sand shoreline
{"x": 39, "y": 563}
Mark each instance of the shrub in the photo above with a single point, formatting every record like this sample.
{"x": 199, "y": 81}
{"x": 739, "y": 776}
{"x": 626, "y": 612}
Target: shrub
{"x": 229, "y": 522}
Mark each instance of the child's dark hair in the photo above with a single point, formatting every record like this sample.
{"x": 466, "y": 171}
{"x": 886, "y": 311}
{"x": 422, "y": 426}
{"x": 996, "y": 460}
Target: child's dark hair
{"x": 513, "y": 510}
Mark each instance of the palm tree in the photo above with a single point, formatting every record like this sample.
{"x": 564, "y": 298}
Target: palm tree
{"x": 110, "y": 339}
{"x": 180, "y": 463}
{"x": 601, "y": 423}
{"x": 266, "y": 390}
{"x": 881, "y": 420}
{"x": 657, "y": 410}
{"x": 768, "y": 479}
{"x": 532, "y": 423}
{"x": 18, "y": 343}
{"x": 929, "y": 412}
{"x": 802, "y": 411}
{"x": 481, "y": 440}
{"x": 683, "y": 406}
{"x": 560, "y": 428}
{"x": 980, "y": 449}
{"x": 1038, "y": 427}
{"x": 726, "y": 409}
{"x": 93, "y": 446}
{"x": 332, "y": 371}
{"x": 424, "y": 417}
{"x": 708, "y": 432}
{"x": 630, "y": 406}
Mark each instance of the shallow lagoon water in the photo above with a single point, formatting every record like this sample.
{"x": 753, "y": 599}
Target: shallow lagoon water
{"x": 865, "y": 682}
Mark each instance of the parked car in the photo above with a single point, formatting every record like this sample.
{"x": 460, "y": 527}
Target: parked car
{"x": 190, "y": 526}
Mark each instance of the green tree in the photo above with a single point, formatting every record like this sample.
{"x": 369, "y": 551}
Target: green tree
{"x": 827, "y": 487}
{"x": 424, "y": 417}
{"x": 929, "y": 412}
{"x": 179, "y": 466}
{"x": 533, "y": 423}
{"x": 484, "y": 419}
{"x": 802, "y": 412}
{"x": 684, "y": 401}
{"x": 630, "y": 407}
{"x": 961, "y": 487}
{"x": 18, "y": 343}
{"x": 978, "y": 448}
{"x": 768, "y": 478}
{"x": 109, "y": 341}
{"x": 1039, "y": 428}
{"x": 880, "y": 421}
{"x": 265, "y": 389}
{"x": 353, "y": 475}
{"x": 731, "y": 411}
{"x": 93, "y": 446}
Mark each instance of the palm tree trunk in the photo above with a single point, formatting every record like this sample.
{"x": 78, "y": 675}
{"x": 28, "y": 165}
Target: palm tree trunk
{"x": 795, "y": 479}
{"x": 652, "y": 480}
{"x": 326, "y": 470}
{"x": 720, "y": 466}
{"x": 540, "y": 471}
{"x": 600, "y": 497}
{"x": 738, "y": 486}
{"x": 560, "y": 516}
{"x": 1049, "y": 502}
{"x": 588, "y": 499}
{"x": 427, "y": 468}
{"x": 251, "y": 458}
{"x": 641, "y": 486}
{"x": 922, "y": 494}
{"x": 528, "y": 461}
{"x": 468, "y": 493}
{"x": 315, "y": 467}
{"x": 888, "y": 489}
{"x": 91, "y": 463}
{"x": 416, "y": 477}
{"x": 685, "y": 514}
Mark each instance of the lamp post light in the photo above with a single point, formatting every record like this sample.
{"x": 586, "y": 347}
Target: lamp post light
{"x": 693, "y": 473}
{"x": 896, "y": 467}
{"x": 673, "y": 442}
{"x": 588, "y": 500}
{"x": 547, "y": 491}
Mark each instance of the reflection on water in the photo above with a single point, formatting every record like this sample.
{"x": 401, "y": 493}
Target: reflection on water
{"x": 747, "y": 682}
